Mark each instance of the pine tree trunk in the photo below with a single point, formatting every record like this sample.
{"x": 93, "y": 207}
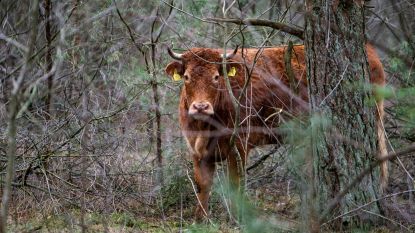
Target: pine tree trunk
{"x": 336, "y": 70}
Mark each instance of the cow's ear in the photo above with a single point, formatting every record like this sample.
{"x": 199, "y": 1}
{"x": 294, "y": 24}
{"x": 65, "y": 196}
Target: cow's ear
{"x": 234, "y": 69}
{"x": 175, "y": 70}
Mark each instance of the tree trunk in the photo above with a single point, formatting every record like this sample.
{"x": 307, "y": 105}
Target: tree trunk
{"x": 49, "y": 62}
{"x": 336, "y": 68}
{"x": 156, "y": 99}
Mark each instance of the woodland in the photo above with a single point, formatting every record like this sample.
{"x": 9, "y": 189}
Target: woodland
{"x": 90, "y": 139}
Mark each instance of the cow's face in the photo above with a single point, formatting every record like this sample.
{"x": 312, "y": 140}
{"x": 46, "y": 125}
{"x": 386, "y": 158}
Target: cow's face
{"x": 201, "y": 72}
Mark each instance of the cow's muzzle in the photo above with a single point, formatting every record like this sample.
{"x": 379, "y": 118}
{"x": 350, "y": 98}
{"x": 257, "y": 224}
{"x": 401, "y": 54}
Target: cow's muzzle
{"x": 201, "y": 107}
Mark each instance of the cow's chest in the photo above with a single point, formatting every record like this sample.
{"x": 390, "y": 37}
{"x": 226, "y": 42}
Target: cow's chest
{"x": 198, "y": 145}
{"x": 209, "y": 148}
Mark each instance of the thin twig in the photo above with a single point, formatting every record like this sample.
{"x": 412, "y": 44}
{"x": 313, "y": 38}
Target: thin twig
{"x": 263, "y": 158}
{"x": 13, "y": 42}
{"x": 369, "y": 203}
{"x": 197, "y": 197}
{"x": 187, "y": 13}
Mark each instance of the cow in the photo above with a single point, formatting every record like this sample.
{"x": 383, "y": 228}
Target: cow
{"x": 258, "y": 85}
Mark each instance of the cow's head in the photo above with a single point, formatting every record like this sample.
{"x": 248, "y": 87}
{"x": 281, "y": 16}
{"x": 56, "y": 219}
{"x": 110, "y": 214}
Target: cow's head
{"x": 201, "y": 71}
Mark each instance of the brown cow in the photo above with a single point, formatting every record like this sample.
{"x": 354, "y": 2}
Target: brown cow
{"x": 207, "y": 114}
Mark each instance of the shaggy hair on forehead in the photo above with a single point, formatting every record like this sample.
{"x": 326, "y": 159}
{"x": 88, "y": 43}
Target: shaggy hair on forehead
{"x": 202, "y": 55}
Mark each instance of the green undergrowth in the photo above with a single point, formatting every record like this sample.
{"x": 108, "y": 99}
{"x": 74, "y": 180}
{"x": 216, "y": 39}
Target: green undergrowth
{"x": 118, "y": 222}
{"x": 122, "y": 222}
{"x": 94, "y": 222}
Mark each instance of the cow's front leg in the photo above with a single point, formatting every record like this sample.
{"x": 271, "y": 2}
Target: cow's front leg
{"x": 204, "y": 171}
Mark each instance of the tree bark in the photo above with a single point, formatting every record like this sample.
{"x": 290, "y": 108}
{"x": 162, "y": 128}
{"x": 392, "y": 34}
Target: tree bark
{"x": 336, "y": 66}
{"x": 156, "y": 99}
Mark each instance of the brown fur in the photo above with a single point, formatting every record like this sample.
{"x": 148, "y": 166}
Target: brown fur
{"x": 268, "y": 101}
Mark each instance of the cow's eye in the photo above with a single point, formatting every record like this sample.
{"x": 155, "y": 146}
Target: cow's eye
{"x": 216, "y": 78}
{"x": 186, "y": 78}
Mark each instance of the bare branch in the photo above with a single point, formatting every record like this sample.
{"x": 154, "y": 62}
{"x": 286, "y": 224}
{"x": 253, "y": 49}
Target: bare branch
{"x": 333, "y": 203}
{"x": 12, "y": 122}
{"x": 13, "y": 42}
{"x": 290, "y": 29}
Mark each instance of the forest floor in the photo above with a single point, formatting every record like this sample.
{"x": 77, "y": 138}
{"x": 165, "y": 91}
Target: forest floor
{"x": 272, "y": 218}
{"x": 273, "y": 205}
{"x": 123, "y": 222}
{"x": 272, "y": 214}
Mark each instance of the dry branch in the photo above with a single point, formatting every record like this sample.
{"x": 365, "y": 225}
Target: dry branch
{"x": 333, "y": 203}
{"x": 263, "y": 158}
{"x": 12, "y": 121}
{"x": 290, "y": 29}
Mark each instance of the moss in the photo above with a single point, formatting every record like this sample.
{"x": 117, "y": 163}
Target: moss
{"x": 125, "y": 219}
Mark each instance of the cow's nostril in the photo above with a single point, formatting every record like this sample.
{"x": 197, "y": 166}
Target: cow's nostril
{"x": 201, "y": 106}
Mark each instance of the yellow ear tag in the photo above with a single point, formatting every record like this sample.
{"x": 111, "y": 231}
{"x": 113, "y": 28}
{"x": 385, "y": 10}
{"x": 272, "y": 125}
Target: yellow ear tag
{"x": 232, "y": 72}
{"x": 176, "y": 76}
